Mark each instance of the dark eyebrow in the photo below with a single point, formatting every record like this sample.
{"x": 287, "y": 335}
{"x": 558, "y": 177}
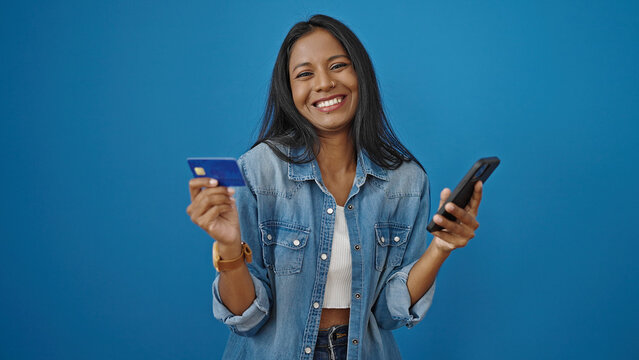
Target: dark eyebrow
{"x": 338, "y": 56}
{"x": 302, "y": 64}
{"x": 329, "y": 59}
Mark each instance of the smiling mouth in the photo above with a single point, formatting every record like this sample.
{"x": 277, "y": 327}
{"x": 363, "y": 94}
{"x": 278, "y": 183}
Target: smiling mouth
{"x": 330, "y": 104}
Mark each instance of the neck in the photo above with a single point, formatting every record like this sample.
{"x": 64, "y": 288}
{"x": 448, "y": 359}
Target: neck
{"x": 337, "y": 155}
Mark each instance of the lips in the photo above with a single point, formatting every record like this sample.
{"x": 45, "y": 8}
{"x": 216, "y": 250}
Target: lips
{"x": 330, "y": 103}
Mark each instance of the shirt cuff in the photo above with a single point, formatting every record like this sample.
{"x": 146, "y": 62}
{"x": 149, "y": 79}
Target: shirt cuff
{"x": 398, "y": 299}
{"x": 251, "y": 319}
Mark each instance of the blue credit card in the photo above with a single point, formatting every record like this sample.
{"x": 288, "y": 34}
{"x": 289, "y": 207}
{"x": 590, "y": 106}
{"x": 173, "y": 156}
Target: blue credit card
{"x": 224, "y": 170}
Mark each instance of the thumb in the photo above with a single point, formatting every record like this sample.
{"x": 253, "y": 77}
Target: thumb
{"x": 443, "y": 196}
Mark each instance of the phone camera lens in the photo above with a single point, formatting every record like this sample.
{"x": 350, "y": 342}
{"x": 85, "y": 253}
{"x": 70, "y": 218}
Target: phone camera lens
{"x": 481, "y": 170}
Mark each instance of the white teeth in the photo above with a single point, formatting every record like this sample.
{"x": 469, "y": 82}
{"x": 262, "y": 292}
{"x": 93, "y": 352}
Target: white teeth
{"x": 329, "y": 102}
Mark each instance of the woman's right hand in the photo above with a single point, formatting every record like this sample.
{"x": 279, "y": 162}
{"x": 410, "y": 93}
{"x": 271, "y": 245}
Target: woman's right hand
{"x": 213, "y": 209}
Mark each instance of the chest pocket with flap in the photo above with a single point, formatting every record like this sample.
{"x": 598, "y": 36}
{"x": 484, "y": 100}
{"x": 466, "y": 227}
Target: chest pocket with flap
{"x": 284, "y": 245}
{"x": 392, "y": 239}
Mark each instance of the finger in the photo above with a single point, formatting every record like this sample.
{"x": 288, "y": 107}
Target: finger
{"x": 453, "y": 227}
{"x": 463, "y": 216}
{"x": 217, "y": 190}
{"x": 443, "y": 196}
{"x": 473, "y": 204}
{"x": 206, "y": 220}
{"x": 205, "y": 201}
{"x": 196, "y": 185}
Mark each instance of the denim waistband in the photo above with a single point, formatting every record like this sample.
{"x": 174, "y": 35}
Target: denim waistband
{"x": 338, "y": 335}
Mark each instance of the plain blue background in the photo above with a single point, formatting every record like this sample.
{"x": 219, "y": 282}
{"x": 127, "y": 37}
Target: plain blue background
{"x": 101, "y": 102}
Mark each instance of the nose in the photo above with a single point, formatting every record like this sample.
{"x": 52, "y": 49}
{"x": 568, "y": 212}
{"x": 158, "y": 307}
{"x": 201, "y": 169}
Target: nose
{"x": 323, "y": 81}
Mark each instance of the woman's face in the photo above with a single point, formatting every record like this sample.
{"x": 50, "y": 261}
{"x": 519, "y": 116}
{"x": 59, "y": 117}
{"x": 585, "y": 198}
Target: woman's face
{"x": 323, "y": 82}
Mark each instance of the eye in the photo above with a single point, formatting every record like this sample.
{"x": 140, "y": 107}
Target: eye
{"x": 338, "y": 65}
{"x": 303, "y": 74}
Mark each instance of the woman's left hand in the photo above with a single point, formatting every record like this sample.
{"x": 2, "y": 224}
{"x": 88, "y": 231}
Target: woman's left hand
{"x": 456, "y": 234}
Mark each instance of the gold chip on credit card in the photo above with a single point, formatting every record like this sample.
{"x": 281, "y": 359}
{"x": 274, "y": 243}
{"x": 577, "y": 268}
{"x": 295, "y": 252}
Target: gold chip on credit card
{"x": 199, "y": 170}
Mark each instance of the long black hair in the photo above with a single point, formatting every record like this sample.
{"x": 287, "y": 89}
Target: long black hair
{"x": 370, "y": 131}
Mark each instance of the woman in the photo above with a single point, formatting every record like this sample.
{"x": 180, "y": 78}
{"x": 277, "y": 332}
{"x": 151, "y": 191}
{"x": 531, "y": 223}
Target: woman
{"x": 335, "y": 213}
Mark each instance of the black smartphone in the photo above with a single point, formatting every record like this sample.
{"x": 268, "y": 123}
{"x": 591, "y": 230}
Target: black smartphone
{"x": 481, "y": 170}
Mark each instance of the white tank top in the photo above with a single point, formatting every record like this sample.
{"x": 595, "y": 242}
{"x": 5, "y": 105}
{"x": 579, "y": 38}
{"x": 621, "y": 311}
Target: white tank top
{"x": 338, "y": 282}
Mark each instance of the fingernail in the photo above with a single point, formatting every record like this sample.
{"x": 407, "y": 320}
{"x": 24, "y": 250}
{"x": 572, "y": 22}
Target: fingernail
{"x": 437, "y": 219}
{"x": 213, "y": 182}
{"x": 230, "y": 190}
{"x": 450, "y": 207}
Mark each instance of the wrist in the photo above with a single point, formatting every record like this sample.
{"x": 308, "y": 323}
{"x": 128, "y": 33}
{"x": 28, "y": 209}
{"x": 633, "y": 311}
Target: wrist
{"x": 229, "y": 251}
{"x": 226, "y": 264}
{"x": 439, "y": 250}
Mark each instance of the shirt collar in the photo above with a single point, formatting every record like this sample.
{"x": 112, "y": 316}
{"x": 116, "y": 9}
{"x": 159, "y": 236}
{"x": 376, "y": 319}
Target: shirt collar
{"x": 310, "y": 170}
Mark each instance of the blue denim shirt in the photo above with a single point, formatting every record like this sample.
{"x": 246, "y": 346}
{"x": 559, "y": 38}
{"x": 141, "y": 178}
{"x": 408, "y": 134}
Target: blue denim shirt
{"x": 287, "y": 218}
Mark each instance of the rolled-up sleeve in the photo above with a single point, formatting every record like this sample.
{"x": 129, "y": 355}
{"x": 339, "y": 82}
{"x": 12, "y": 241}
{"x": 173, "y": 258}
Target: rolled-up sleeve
{"x": 251, "y": 319}
{"x": 393, "y": 307}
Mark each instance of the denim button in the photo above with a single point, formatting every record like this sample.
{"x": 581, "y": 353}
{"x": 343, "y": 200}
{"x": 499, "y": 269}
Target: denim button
{"x": 296, "y": 242}
{"x": 350, "y": 207}
{"x": 307, "y": 350}
{"x": 357, "y": 247}
{"x": 269, "y": 237}
{"x": 358, "y": 295}
{"x": 324, "y": 256}
{"x": 396, "y": 239}
{"x": 329, "y": 211}
{"x": 382, "y": 239}
{"x": 316, "y": 305}
{"x": 355, "y": 342}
